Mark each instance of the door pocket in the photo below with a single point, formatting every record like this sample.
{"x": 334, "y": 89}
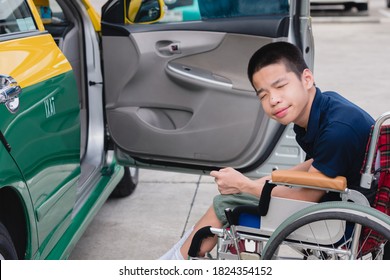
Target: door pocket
{"x": 164, "y": 118}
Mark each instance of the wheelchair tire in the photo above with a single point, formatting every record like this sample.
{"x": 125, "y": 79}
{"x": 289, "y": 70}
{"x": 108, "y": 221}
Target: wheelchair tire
{"x": 386, "y": 254}
{"x": 7, "y": 248}
{"x": 282, "y": 245}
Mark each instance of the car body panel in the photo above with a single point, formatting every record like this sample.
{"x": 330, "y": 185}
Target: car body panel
{"x": 92, "y": 205}
{"x": 30, "y": 66}
{"x": 44, "y": 134}
{"x": 11, "y": 180}
{"x": 49, "y": 154}
{"x": 40, "y": 155}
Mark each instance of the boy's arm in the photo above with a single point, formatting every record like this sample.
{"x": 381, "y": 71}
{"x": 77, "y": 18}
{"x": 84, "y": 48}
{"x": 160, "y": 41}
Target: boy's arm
{"x": 230, "y": 181}
{"x": 304, "y": 166}
{"x": 305, "y": 194}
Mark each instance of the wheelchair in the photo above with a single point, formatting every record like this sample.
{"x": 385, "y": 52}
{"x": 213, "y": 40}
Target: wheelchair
{"x": 282, "y": 229}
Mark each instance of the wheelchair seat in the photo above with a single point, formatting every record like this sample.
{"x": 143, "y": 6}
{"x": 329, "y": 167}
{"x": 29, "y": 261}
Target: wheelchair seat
{"x": 271, "y": 211}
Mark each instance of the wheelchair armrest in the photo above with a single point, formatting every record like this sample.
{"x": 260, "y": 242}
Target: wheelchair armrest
{"x": 309, "y": 179}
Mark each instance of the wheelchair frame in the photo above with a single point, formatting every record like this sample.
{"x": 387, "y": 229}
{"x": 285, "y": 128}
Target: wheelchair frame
{"x": 306, "y": 230}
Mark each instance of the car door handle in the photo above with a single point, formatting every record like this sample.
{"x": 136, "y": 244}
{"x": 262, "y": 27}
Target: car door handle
{"x": 9, "y": 93}
{"x": 168, "y": 47}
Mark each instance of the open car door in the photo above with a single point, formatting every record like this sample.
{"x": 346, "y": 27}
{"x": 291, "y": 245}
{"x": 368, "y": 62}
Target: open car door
{"x": 177, "y": 92}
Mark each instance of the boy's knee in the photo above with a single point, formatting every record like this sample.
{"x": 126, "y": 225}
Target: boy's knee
{"x": 222, "y": 202}
{"x": 219, "y": 204}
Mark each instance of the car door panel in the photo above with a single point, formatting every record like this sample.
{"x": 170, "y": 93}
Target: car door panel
{"x": 214, "y": 66}
{"x": 11, "y": 179}
{"x": 178, "y": 93}
{"x": 44, "y": 132}
{"x": 181, "y": 109}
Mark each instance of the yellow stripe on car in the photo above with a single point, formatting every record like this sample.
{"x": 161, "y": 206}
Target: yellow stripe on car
{"x": 32, "y": 60}
{"x": 36, "y": 15}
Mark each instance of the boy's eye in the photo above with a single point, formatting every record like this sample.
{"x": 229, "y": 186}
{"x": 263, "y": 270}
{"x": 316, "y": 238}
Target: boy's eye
{"x": 262, "y": 96}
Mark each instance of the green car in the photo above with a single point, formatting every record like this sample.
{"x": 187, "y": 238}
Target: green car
{"x": 86, "y": 101}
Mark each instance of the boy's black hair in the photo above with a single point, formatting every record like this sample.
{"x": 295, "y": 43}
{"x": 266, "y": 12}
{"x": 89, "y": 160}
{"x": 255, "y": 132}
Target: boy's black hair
{"x": 278, "y": 52}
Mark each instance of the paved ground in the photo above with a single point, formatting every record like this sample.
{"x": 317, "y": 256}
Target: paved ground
{"x": 352, "y": 57}
{"x": 150, "y": 220}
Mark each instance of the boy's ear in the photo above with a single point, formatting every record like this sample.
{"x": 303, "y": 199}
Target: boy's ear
{"x": 308, "y": 78}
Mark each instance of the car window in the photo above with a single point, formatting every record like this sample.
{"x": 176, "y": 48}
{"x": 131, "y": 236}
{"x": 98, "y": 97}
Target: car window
{"x": 54, "y": 19}
{"x": 50, "y": 11}
{"x": 190, "y": 10}
{"x": 15, "y": 16}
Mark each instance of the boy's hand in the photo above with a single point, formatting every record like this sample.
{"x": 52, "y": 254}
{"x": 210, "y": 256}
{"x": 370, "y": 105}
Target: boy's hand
{"x": 230, "y": 181}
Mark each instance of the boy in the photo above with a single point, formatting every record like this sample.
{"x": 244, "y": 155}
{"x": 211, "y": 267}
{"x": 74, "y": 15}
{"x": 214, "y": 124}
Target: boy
{"x": 330, "y": 129}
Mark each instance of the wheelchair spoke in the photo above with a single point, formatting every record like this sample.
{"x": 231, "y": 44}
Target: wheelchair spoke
{"x": 330, "y": 234}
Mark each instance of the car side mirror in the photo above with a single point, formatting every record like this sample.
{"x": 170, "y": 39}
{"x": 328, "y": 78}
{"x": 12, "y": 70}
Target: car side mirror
{"x": 145, "y": 11}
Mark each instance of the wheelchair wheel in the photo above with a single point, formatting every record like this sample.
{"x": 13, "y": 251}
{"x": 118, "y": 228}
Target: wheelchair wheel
{"x": 330, "y": 231}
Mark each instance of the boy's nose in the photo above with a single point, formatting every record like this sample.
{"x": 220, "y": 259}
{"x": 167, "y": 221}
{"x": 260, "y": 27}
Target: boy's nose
{"x": 274, "y": 99}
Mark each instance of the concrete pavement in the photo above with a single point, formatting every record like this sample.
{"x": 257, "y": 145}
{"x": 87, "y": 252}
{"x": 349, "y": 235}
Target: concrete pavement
{"x": 146, "y": 224}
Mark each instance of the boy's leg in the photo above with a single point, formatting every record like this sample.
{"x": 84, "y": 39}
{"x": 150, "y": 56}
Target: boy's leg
{"x": 208, "y": 219}
{"x": 174, "y": 252}
{"x": 180, "y": 249}
{"x": 215, "y": 217}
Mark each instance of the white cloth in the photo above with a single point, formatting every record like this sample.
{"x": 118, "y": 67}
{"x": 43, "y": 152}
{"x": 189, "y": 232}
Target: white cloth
{"x": 174, "y": 252}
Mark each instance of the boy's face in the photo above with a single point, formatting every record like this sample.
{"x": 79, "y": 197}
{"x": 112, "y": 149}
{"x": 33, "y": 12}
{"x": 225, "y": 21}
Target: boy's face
{"x": 284, "y": 97}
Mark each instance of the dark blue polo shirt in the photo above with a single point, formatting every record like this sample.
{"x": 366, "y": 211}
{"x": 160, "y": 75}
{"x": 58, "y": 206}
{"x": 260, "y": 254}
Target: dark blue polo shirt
{"x": 336, "y": 137}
